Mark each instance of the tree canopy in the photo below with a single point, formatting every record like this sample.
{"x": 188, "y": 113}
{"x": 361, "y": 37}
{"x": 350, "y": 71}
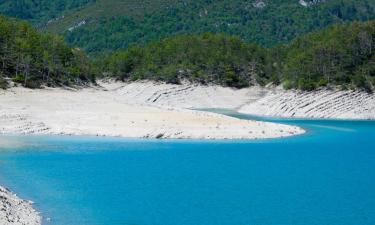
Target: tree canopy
{"x": 99, "y": 26}
{"x": 341, "y": 55}
{"x": 33, "y": 59}
{"x": 206, "y": 58}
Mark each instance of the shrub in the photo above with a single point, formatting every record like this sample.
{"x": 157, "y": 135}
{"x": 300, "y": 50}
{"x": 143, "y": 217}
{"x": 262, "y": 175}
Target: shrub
{"x": 33, "y": 84}
{"x": 3, "y": 83}
{"x": 19, "y": 79}
{"x": 288, "y": 84}
{"x": 306, "y": 85}
{"x": 362, "y": 83}
{"x": 322, "y": 82}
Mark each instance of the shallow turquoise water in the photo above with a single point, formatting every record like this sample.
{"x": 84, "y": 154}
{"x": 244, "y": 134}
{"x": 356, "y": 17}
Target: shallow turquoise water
{"x": 326, "y": 177}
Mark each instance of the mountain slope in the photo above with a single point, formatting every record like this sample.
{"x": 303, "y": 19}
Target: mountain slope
{"x": 40, "y": 11}
{"x": 32, "y": 59}
{"x": 276, "y": 22}
{"x": 107, "y": 25}
{"x": 342, "y": 55}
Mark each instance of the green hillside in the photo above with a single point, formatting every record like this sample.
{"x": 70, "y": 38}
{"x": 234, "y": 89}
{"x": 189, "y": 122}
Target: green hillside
{"x": 342, "y": 55}
{"x": 32, "y": 59}
{"x": 207, "y": 58}
{"x": 40, "y": 11}
{"x": 206, "y": 41}
{"x": 101, "y": 10}
{"x": 107, "y": 25}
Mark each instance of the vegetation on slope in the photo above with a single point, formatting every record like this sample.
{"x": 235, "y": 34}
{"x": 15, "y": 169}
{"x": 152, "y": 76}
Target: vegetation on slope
{"x": 108, "y": 25}
{"x": 114, "y": 24}
{"x": 341, "y": 55}
{"x": 205, "y": 58}
{"x": 103, "y": 10}
{"x": 39, "y": 11}
{"x": 32, "y": 59}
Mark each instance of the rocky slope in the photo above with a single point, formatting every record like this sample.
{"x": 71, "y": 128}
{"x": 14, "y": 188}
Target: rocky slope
{"x": 14, "y": 211}
{"x": 318, "y": 104}
{"x": 330, "y": 104}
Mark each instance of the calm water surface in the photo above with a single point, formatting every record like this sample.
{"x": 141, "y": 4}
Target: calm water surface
{"x": 326, "y": 177}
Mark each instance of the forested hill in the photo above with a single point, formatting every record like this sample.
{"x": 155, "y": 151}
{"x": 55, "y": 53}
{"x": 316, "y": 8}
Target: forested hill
{"x": 32, "y": 59}
{"x": 342, "y": 55}
{"x": 108, "y": 25}
{"x": 40, "y": 11}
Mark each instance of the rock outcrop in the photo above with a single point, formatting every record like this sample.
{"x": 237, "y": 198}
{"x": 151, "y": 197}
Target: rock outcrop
{"x": 14, "y": 211}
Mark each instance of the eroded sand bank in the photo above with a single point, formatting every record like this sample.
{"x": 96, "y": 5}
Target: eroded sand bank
{"x": 107, "y": 111}
{"x": 272, "y": 101}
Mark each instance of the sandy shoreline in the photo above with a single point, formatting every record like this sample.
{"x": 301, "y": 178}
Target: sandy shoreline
{"x": 108, "y": 112}
{"x": 150, "y": 110}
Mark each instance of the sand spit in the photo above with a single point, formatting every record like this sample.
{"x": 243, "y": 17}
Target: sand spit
{"x": 140, "y": 110}
{"x": 113, "y": 110}
{"x": 14, "y": 211}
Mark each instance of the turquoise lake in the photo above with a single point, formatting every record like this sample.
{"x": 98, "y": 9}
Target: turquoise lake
{"x": 326, "y": 177}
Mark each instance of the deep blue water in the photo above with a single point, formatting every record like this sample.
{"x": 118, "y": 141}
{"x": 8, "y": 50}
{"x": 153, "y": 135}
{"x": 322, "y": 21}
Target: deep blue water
{"x": 326, "y": 177}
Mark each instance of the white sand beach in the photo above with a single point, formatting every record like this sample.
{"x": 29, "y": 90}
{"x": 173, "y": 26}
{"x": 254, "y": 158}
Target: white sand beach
{"x": 109, "y": 111}
{"x": 114, "y": 110}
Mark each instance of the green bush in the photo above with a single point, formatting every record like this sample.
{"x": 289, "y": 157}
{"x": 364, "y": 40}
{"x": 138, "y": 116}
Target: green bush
{"x": 19, "y": 79}
{"x": 275, "y": 79}
{"x": 3, "y": 83}
{"x": 33, "y": 84}
{"x": 361, "y": 82}
{"x": 288, "y": 84}
{"x": 322, "y": 82}
{"x": 306, "y": 85}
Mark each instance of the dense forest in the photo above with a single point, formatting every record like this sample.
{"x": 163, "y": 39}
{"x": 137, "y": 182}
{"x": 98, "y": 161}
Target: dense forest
{"x": 39, "y": 11}
{"x": 108, "y": 25}
{"x": 277, "y": 22}
{"x": 204, "y": 58}
{"x": 32, "y": 59}
{"x": 342, "y": 55}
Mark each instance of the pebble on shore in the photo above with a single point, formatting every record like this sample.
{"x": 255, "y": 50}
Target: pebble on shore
{"x": 15, "y": 211}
